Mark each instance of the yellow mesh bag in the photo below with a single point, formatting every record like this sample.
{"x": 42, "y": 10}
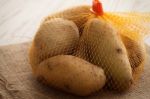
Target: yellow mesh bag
{"x": 134, "y": 25}
{"x": 113, "y": 42}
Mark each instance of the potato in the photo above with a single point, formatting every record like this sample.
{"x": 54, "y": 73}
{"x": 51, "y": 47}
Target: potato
{"x": 54, "y": 37}
{"x": 136, "y": 54}
{"x": 79, "y": 15}
{"x": 135, "y": 49}
{"x": 83, "y": 50}
{"x": 71, "y": 74}
{"x": 107, "y": 51}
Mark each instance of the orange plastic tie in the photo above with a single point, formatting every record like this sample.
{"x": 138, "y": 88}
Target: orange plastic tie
{"x": 97, "y": 7}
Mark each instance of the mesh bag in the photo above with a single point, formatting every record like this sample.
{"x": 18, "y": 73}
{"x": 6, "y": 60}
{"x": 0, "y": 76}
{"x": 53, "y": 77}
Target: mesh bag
{"x": 111, "y": 41}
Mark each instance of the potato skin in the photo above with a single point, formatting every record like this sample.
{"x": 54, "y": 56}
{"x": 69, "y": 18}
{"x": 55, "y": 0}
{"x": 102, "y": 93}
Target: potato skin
{"x": 79, "y": 15}
{"x": 54, "y": 37}
{"x": 71, "y": 74}
{"x": 136, "y": 51}
{"x": 107, "y": 51}
{"x": 136, "y": 54}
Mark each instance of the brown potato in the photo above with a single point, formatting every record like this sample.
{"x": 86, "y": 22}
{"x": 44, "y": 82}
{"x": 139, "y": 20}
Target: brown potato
{"x": 136, "y": 51}
{"x": 71, "y": 74}
{"x": 106, "y": 50}
{"x": 54, "y": 37}
{"x": 136, "y": 54}
{"x": 79, "y": 15}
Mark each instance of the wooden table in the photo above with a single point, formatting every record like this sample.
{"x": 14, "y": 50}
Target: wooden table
{"x": 19, "y": 19}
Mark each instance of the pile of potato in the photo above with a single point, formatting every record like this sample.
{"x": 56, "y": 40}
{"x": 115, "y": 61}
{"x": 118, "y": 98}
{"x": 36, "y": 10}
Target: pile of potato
{"x": 80, "y": 53}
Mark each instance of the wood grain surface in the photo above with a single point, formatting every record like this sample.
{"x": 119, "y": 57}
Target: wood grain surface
{"x": 19, "y": 19}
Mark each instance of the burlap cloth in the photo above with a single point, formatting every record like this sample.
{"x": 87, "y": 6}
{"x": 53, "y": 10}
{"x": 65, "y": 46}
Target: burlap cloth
{"x": 17, "y": 81}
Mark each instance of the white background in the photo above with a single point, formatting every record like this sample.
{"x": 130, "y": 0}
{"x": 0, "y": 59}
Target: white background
{"x": 19, "y": 19}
